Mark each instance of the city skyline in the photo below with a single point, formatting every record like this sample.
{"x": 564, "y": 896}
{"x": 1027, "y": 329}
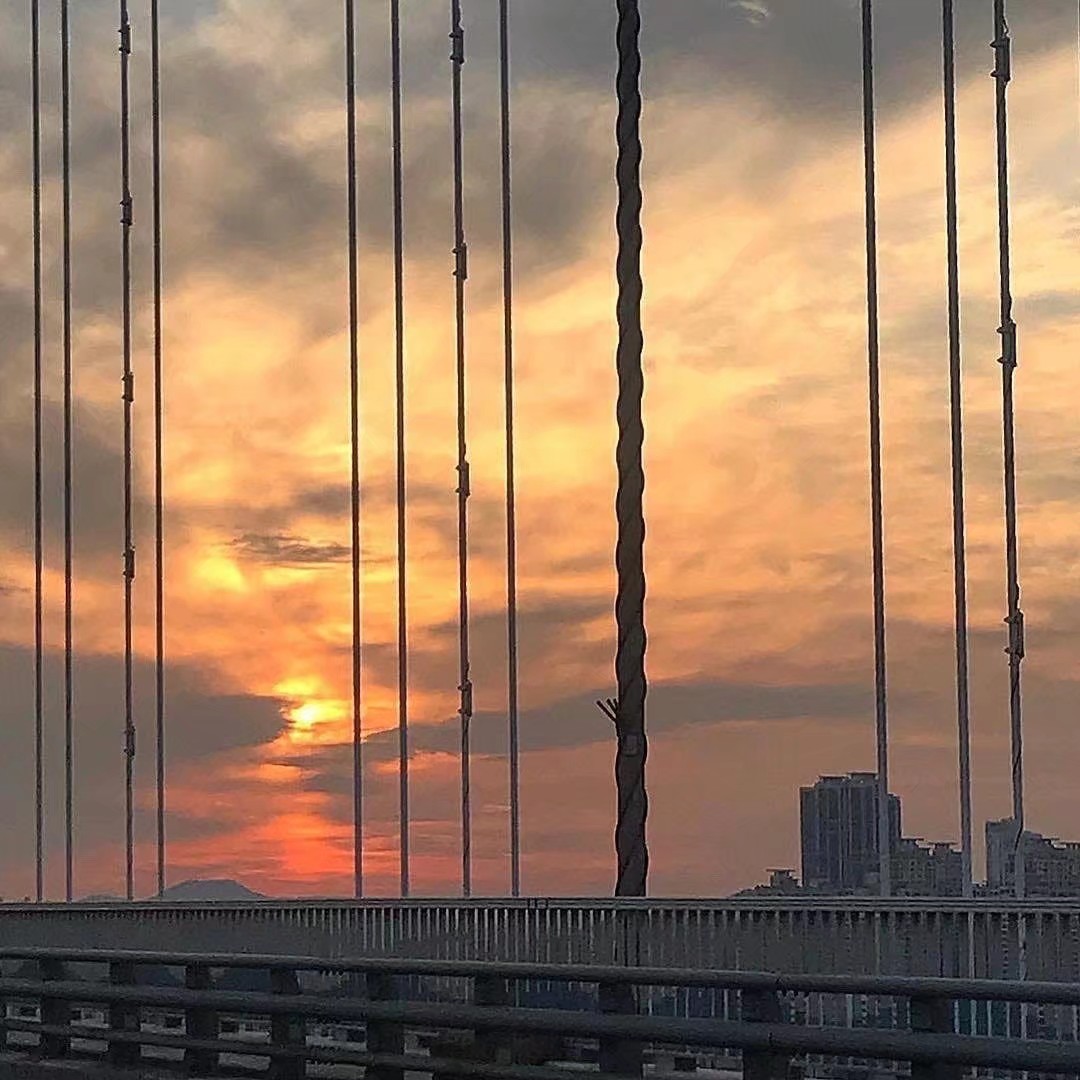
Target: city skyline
{"x": 759, "y": 602}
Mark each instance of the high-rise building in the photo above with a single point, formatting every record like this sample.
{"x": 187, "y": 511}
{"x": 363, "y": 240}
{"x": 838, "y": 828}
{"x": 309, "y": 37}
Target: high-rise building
{"x": 1051, "y": 866}
{"x": 926, "y": 869}
{"x": 839, "y": 829}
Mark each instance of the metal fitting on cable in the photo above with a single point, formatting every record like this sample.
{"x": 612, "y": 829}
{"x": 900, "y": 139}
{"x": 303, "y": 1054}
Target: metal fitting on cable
{"x": 129, "y": 564}
{"x": 1008, "y": 344}
{"x": 1002, "y": 47}
{"x": 466, "y": 689}
{"x": 129, "y": 386}
{"x": 125, "y": 38}
{"x": 129, "y": 742}
{"x": 464, "y": 482}
{"x": 461, "y": 261}
{"x": 1016, "y": 635}
{"x": 127, "y": 211}
{"x": 457, "y": 46}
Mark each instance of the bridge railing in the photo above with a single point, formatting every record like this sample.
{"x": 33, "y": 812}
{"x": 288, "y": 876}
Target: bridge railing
{"x": 65, "y": 1003}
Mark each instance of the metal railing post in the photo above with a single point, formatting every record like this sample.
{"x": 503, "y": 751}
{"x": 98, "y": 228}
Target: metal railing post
{"x": 55, "y": 1012}
{"x": 492, "y": 1047}
{"x": 383, "y": 1037}
{"x": 625, "y": 1057}
{"x": 763, "y": 1007}
{"x": 200, "y": 1022}
{"x": 125, "y": 1017}
{"x": 935, "y": 1016}
{"x": 288, "y": 1032}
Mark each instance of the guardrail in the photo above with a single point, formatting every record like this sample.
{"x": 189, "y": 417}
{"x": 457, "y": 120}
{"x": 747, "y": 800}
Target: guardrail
{"x": 489, "y": 1034}
{"x": 978, "y": 939}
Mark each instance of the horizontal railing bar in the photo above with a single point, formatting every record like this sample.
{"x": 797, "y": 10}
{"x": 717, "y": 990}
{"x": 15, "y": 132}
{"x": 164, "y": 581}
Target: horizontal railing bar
{"x": 1043, "y": 993}
{"x": 994, "y": 905}
{"x": 324, "y": 1055}
{"x": 834, "y": 1042}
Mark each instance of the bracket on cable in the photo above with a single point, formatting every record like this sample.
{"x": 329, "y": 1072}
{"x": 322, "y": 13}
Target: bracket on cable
{"x": 129, "y": 387}
{"x": 461, "y": 261}
{"x": 125, "y": 38}
{"x": 457, "y": 45}
{"x": 129, "y": 564}
{"x": 1016, "y": 635}
{"x": 1008, "y": 344}
{"x": 127, "y": 211}
{"x": 464, "y": 480}
{"x": 629, "y": 741}
{"x": 129, "y": 741}
{"x": 1002, "y": 47}
{"x": 466, "y": 690}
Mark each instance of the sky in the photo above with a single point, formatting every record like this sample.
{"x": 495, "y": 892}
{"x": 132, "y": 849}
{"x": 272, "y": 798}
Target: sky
{"x": 759, "y": 611}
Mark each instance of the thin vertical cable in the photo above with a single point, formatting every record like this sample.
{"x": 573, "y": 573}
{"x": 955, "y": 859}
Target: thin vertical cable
{"x": 159, "y": 446}
{"x": 957, "y": 449}
{"x": 876, "y": 512}
{"x": 633, "y": 805}
{"x": 126, "y": 223}
{"x": 399, "y": 371}
{"x": 1002, "y": 74}
{"x": 39, "y": 562}
{"x": 461, "y": 273}
{"x": 69, "y": 726}
{"x": 511, "y": 501}
{"x": 963, "y": 715}
{"x": 354, "y": 428}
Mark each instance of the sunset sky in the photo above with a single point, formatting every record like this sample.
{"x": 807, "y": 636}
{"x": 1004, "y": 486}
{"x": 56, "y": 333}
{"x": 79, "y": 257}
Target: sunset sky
{"x": 759, "y": 612}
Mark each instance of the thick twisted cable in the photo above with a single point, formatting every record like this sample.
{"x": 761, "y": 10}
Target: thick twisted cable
{"x": 1007, "y": 329}
{"x": 630, "y": 839}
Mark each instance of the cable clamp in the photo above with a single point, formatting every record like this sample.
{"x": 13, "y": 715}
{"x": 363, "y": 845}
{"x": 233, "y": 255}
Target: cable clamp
{"x": 129, "y": 741}
{"x": 461, "y": 261}
{"x": 1002, "y": 47}
{"x": 127, "y": 211}
{"x": 129, "y": 564}
{"x": 1016, "y": 635}
{"x": 466, "y": 709}
{"x": 125, "y": 38}
{"x": 457, "y": 45}
{"x": 1007, "y": 330}
{"x": 129, "y": 387}
{"x": 464, "y": 479}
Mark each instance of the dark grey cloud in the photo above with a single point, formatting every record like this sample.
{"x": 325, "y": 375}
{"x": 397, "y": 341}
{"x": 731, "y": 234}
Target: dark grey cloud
{"x": 284, "y": 550}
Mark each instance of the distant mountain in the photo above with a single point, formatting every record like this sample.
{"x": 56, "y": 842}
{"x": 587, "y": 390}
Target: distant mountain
{"x": 222, "y": 890}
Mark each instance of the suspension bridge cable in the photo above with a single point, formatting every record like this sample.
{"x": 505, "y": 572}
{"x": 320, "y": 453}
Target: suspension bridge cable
{"x": 963, "y": 717}
{"x": 876, "y": 512}
{"x": 629, "y": 713}
{"x": 69, "y": 726}
{"x": 1002, "y": 74}
{"x": 126, "y": 223}
{"x": 39, "y": 718}
{"x": 511, "y": 502}
{"x": 461, "y": 273}
{"x": 159, "y": 412}
{"x": 399, "y": 371}
{"x": 354, "y": 428}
